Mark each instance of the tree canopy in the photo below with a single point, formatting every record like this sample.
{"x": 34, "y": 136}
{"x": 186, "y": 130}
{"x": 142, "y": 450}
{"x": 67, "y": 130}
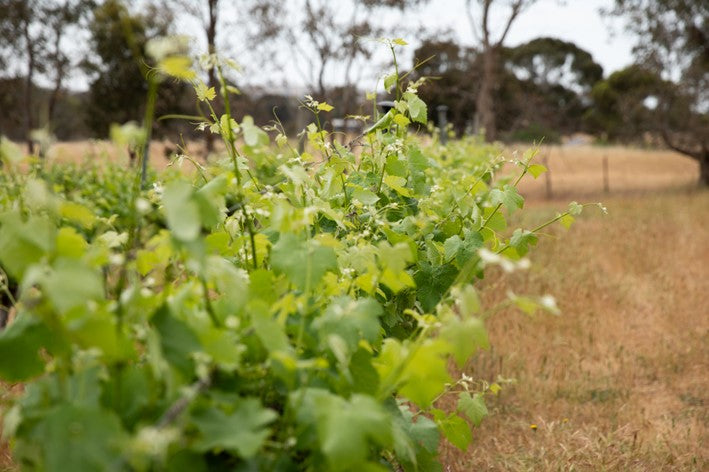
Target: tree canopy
{"x": 673, "y": 42}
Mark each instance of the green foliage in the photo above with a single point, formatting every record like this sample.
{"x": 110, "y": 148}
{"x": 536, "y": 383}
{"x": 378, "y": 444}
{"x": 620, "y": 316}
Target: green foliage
{"x": 282, "y": 311}
{"x": 620, "y": 110}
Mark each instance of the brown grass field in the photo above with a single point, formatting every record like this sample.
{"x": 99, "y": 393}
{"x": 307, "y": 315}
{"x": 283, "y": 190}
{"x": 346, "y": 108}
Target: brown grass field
{"x": 619, "y": 381}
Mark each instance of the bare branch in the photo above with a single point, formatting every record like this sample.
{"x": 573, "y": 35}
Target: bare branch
{"x": 672, "y": 144}
{"x": 516, "y": 9}
{"x": 485, "y": 26}
{"x": 471, "y": 20}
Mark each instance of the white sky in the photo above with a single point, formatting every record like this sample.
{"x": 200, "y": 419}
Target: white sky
{"x": 577, "y": 21}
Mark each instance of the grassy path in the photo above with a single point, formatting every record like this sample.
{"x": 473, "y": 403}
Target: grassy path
{"x": 621, "y": 380}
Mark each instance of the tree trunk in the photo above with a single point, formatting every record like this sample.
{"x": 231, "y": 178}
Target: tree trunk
{"x": 484, "y": 102}
{"x": 29, "y": 121}
{"x": 704, "y": 169}
{"x": 212, "y": 75}
{"x": 59, "y": 75}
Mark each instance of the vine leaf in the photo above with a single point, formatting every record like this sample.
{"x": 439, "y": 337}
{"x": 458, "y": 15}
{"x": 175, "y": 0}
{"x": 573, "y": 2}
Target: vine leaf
{"x": 242, "y": 431}
{"x": 304, "y": 263}
{"x": 473, "y": 407}
{"x": 21, "y": 342}
{"x": 77, "y": 437}
{"x": 454, "y": 428}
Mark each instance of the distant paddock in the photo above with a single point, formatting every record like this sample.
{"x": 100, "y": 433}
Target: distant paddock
{"x": 575, "y": 171}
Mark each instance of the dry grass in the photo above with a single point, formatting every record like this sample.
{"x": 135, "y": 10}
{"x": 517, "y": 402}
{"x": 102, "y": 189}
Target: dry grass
{"x": 576, "y": 171}
{"x": 621, "y": 380}
{"x": 106, "y": 151}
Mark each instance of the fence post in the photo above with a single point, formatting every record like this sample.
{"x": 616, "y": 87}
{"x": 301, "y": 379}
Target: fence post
{"x": 443, "y": 123}
{"x": 547, "y": 175}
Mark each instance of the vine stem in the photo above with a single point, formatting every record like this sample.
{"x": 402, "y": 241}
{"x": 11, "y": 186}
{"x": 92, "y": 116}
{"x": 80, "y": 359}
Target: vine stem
{"x": 148, "y": 128}
{"x": 181, "y": 404}
{"x": 499, "y": 205}
{"x": 396, "y": 71}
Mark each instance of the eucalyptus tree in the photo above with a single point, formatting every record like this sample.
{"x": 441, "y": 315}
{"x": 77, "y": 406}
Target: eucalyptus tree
{"x": 555, "y": 78}
{"x": 673, "y": 41}
{"x": 480, "y": 14}
{"x": 118, "y": 65}
{"x": 35, "y": 34}
{"x": 26, "y": 42}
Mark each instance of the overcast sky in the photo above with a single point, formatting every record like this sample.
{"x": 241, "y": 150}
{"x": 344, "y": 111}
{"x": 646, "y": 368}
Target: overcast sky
{"x": 577, "y": 21}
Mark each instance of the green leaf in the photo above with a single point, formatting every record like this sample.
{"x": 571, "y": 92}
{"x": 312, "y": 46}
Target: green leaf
{"x": 464, "y": 337}
{"x": 20, "y": 343}
{"x": 76, "y": 437}
{"x": 271, "y": 334}
{"x": 222, "y": 345}
{"x": 566, "y": 220}
{"x": 400, "y": 42}
{"x": 473, "y": 407}
{"x": 425, "y": 374}
{"x": 344, "y": 448}
{"x": 23, "y": 244}
{"x": 454, "y": 428}
{"x": 521, "y": 240}
{"x": 241, "y": 431}
{"x": 253, "y": 135}
{"x": 451, "y": 247}
{"x": 423, "y": 430}
{"x": 351, "y": 320}
{"x": 536, "y": 170}
{"x": 178, "y": 66}
{"x": 304, "y": 263}
{"x": 497, "y": 221}
{"x": 382, "y": 123}
{"x": 416, "y": 442}
{"x": 401, "y": 120}
{"x": 396, "y": 257}
{"x": 396, "y": 164}
{"x": 575, "y": 209}
{"x": 325, "y": 107}
{"x": 365, "y": 420}
{"x": 181, "y": 211}
{"x": 70, "y": 285}
{"x": 472, "y": 242}
{"x": 507, "y": 196}
{"x": 365, "y": 378}
{"x": 398, "y": 184}
{"x": 432, "y": 282}
{"x": 70, "y": 244}
{"x": 468, "y": 301}
{"x": 364, "y": 195}
{"x": 417, "y": 108}
{"x": 96, "y": 328}
{"x": 390, "y": 81}
{"x": 177, "y": 340}
{"x": 205, "y": 94}
{"x": 77, "y": 214}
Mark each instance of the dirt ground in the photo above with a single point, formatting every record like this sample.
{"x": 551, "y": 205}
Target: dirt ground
{"x": 619, "y": 381}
